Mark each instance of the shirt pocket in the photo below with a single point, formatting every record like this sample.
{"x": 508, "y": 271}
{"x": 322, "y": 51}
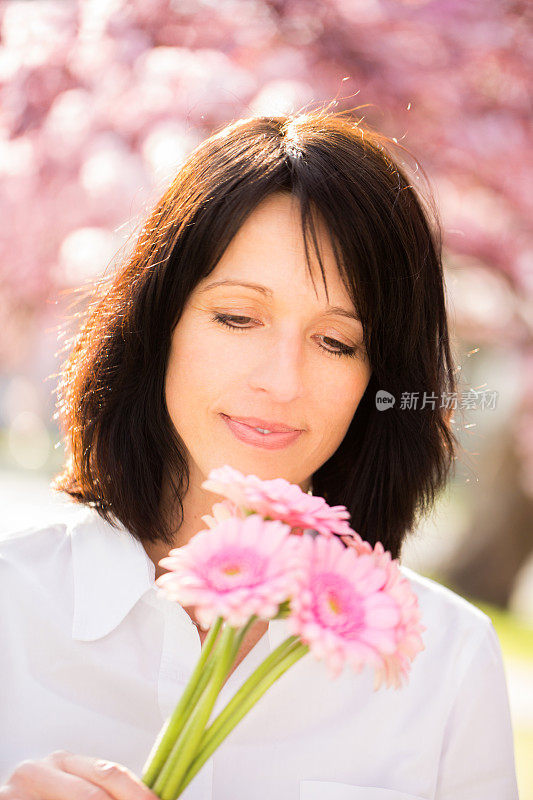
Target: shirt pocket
{"x": 329, "y": 790}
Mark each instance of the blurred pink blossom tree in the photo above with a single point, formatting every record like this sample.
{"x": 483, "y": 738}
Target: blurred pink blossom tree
{"x": 100, "y": 101}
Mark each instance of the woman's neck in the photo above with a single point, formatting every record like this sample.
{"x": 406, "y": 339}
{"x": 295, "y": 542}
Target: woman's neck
{"x": 196, "y": 503}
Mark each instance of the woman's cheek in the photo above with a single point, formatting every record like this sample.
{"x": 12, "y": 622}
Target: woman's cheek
{"x": 345, "y": 393}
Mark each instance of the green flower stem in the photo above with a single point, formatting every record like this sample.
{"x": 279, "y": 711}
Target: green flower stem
{"x": 206, "y": 674}
{"x": 186, "y": 745}
{"x": 239, "y": 710}
{"x": 261, "y": 672}
{"x": 202, "y": 683}
{"x": 240, "y": 636}
{"x": 194, "y": 698}
{"x": 173, "y": 726}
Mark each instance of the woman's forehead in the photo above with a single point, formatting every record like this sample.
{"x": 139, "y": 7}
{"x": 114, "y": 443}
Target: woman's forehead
{"x": 270, "y": 242}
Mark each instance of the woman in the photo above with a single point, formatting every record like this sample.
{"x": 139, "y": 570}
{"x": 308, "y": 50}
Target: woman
{"x": 287, "y": 281}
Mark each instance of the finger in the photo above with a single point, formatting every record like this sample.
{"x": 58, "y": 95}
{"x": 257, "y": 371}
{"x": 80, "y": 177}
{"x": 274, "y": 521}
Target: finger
{"x": 118, "y": 781}
{"x": 40, "y": 779}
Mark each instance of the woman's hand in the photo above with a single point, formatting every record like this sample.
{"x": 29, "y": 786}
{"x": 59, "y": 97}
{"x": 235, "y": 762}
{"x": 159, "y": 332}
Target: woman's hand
{"x": 66, "y": 776}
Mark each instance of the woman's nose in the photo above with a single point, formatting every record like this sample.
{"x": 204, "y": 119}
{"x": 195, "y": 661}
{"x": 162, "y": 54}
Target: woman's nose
{"x": 279, "y": 369}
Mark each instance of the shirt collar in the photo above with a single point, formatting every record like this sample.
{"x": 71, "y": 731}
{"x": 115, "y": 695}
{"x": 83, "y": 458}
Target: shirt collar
{"x": 111, "y": 572}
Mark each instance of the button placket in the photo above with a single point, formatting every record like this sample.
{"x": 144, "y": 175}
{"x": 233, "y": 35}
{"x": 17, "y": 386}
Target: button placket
{"x": 180, "y": 652}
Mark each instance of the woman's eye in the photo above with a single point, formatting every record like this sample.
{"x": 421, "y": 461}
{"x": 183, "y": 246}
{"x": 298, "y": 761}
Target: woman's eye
{"x": 238, "y": 323}
{"x": 343, "y": 349}
{"x": 223, "y": 319}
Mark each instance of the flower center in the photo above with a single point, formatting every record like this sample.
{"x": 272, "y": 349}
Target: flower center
{"x": 336, "y": 605}
{"x": 235, "y": 566}
{"x": 232, "y": 570}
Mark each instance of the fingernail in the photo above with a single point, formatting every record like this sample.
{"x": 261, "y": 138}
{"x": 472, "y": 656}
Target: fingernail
{"x": 104, "y": 766}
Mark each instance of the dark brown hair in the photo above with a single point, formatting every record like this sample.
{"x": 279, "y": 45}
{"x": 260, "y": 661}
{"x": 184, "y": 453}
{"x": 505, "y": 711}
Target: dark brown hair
{"x": 120, "y": 440}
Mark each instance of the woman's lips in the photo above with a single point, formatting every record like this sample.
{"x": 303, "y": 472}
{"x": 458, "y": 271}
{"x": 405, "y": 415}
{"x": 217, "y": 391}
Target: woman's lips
{"x": 268, "y": 441}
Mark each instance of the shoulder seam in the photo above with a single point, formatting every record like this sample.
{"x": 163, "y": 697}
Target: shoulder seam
{"x": 449, "y": 593}
{"x": 17, "y": 533}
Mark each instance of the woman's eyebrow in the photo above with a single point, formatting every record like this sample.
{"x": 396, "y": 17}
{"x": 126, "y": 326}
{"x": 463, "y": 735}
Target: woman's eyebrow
{"x": 230, "y": 282}
{"x": 266, "y": 291}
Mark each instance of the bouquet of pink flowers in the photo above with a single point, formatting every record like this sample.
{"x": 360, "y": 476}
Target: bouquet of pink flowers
{"x": 344, "y": 601}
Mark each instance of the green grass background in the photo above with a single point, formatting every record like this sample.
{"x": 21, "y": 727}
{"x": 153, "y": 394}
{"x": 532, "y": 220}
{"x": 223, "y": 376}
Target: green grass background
{"x": 516, "y": 639}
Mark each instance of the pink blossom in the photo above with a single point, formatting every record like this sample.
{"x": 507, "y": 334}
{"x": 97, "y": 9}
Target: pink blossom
{"x": 279, "y": 499}
{"x": 395, "y": 666}
{"x": 237, "y": 569}
{"x": 221, "y": 511}
{"x": 355, "y": 608}
{"x": 353, "y": 540}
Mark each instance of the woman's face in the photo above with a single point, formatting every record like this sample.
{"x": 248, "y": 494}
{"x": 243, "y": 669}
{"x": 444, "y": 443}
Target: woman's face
{"x": 276, "y": 363}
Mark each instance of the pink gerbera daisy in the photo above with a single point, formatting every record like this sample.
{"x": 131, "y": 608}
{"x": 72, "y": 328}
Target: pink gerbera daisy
{"x": 395, "y": 666}
{"x": 279, "y": 499}
{"x": 221, "y": 511}
{"x": 237, "y": 569}
{"x": 349, "y": 607}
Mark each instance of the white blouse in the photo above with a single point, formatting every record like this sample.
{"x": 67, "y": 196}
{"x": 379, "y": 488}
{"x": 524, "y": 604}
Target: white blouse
{"x": 94, "y": 658}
